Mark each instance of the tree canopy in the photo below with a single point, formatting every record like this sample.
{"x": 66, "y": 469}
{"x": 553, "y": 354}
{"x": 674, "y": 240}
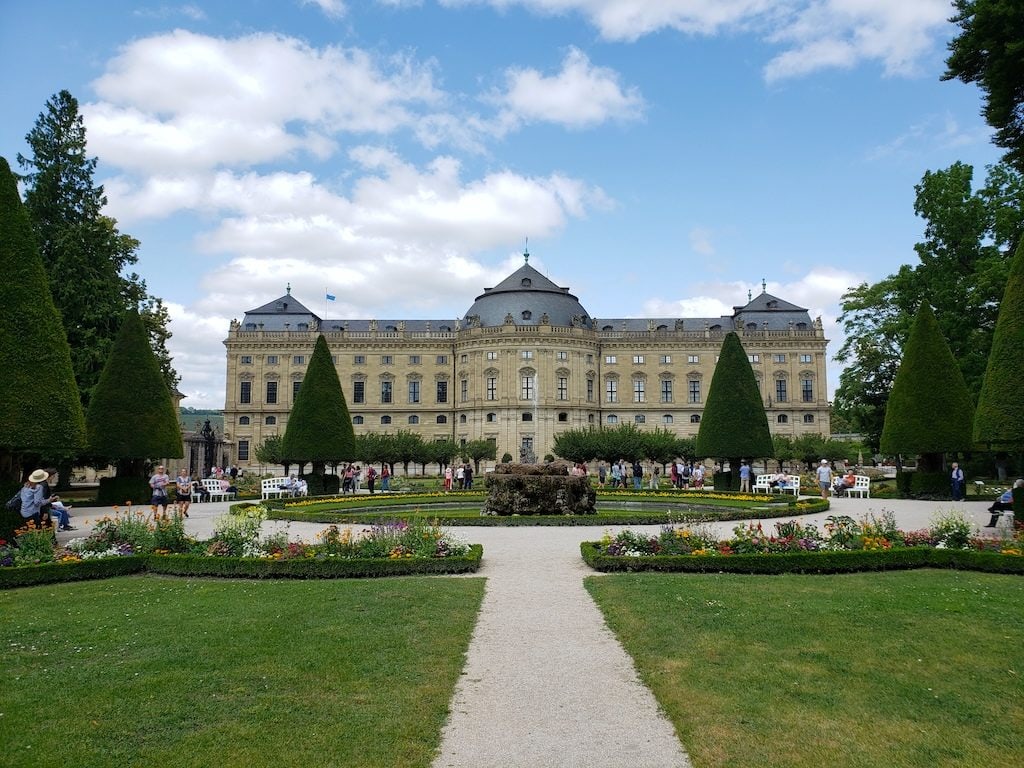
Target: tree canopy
{"x": 84, "y": 254}
{"x": 40, "y": 412}
{"x": 131, "y": 416}
{"x": 930, "y": 410}
{"x": 989, "y": 51}
{"x": 963, "y": 263}
{"x": 624, "y": 441}
{"x": 734, "y": 424}
{"x": 999, "y": 421}
{"x": 319, "y": 427}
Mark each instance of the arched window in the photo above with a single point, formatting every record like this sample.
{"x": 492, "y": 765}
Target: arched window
{"x": 462, "y": 418}
{"x": 270, "y": 420}
{"x": 695, "y": 418}
{"x": 782, "y": 419}
{"x": 526, "y": 282}
{"x": 414, "y": 419}
{"x": 385, "y": 419}
{"x": 607, "y": 328}
{"x": 808, "y": 418}
{"x": 442, "y": 419}
{"x": 563, "y": 416}
{"x": 590, "y": 418}
{"x": 613, "y": 419}
{"x": 357, "y": 419}
{"x": 527, "y": 314}
{"x": 492, "y": 417}
{"x": 667, "y": 418}
{"x": 243, "y": 421}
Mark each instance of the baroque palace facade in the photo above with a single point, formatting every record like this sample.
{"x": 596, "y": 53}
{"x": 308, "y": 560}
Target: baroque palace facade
{"x": 524, "y": 363}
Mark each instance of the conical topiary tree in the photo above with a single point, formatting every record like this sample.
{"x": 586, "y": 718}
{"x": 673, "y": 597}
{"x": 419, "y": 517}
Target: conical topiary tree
{"x": 999, "y": 420}
{"x": 40, "y": 413}
{"x": 131, "y": 417}
{"x": 930, "y": 411}
{"x": 734, "y": 425}
{"x": 319, "y": 427}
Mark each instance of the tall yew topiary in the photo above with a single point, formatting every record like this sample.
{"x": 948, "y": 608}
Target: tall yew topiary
{"x": 131, "y": 416}
{"x": 734, "y": 425}
{"x": 999, "y": 421}
{"x": 930, "y": 410}
{"x": 319, "y": 426}
{"x": 40, "y": 413}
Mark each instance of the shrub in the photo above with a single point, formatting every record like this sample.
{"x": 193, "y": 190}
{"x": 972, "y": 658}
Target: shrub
{"x": 951, "y": 529}
{"x": 123, "y": 490}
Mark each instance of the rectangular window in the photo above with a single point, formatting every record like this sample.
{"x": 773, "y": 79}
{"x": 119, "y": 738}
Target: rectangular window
{"x": 778, "y": 358}
{"x": 464, "y": 358}
{"x": 492, "y": 387}
{"x": 358, "y": 391}
{"x": 334, "y": 359}
{"x": 386, "y": 359}
{"x": 693, "y": 358}
{"x": 246, "y": 359}
{"x": 492, "y": 355}
{"x": 639, "y": 391}
{"x": 806, "y": 359}
{"x": 665, "y": 359}
{"x": 666, "y": 390}
{"x": 271, "y": 392}
{"x": 638, "y": 359}
{"x": 442, "y": 359}
{"x": 563, "y": 388}
{"x": 385, "y": 391}
{"x": 414, "y": 391}
{"x": 694, "y": 385}
{"x": 271, "y": 359}
{"x": 754, "y": 358}
{"x": 590, "y": 390}
{"x": 526, "y": 388}
{"x": 611, "y": 387}
{"x": 442, "y": 391}
{"x": 245, "y": 393}
{"x": 414, "y": 359}
{"x": 590, "y": 359}
{"x": 527, "y": 354}
{"x": 464, "y": 390}
{"x": 243, "y": 450}
{"x": 807, "y": 390}
{"x": 359, "y": 359}
{"x": 780, "y": 390}
{"x": 561, "y": 355}
{"x": 610, "y": 359}
{"x": 639, "y": 419}
{"x": 295, "y": 389}
{"x": 299, "y": 360}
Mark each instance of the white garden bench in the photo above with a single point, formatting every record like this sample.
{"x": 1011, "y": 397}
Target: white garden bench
{"x": 763, "y": 484}
{"x": 861, "y": 487}
{"x": 270, "y": 487}
{"x": 212, "y": 486}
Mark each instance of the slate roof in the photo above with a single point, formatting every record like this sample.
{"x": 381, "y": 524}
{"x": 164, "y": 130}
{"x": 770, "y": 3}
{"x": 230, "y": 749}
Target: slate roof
{"x": 527, "y": 291}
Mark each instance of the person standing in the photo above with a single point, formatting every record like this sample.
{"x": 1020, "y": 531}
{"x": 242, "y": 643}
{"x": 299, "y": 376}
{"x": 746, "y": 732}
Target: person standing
{"x": 460, "y": 477}
{"x": 468, "y": 474}
{"x": 158, "y": 482}
{"x": 824, "y": 478}
{"x": 183, "y": 492}
{"x": 655, "y": 476}
{"x": 744, "y": 477}
{"x": 638, "y": 475}
{"x": 956, "y": 482}
{"x": 371, "y": 478}
{"x": 602, "y": 473}
{"x": 32, "y": 498}
{"x": 385, "y": 477}
{"x": 447, "y": 478}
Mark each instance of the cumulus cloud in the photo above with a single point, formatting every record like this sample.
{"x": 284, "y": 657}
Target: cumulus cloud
{"x": 334, "y": 9}
{"x": 815, "y": 34}
{"x": 580, "y": 95}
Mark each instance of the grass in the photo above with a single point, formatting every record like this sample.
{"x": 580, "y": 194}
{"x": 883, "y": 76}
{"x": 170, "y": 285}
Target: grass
{"x": 905, "y": 669}
{"x": 158, "y": 671}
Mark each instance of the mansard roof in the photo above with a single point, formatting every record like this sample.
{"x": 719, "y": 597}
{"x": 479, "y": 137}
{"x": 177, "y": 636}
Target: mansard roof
{"x": 527, "y": 296}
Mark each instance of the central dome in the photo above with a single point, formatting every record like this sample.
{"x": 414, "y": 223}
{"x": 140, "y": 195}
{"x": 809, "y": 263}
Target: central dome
{"x": 527, "y": 296}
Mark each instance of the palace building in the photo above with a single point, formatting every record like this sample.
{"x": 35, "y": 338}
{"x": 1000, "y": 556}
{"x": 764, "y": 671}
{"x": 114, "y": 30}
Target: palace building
{"x": 524, "y": 363}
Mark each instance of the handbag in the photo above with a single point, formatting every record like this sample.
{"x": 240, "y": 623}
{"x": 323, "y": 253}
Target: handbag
{"x": 14, "y": 503}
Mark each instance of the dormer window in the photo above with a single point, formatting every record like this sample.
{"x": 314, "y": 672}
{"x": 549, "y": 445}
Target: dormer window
{"x": 527, "y": 314}
{"x": 526, "y": 282}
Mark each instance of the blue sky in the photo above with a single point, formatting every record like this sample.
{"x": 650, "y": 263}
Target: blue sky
{"x": 662, "y": 156}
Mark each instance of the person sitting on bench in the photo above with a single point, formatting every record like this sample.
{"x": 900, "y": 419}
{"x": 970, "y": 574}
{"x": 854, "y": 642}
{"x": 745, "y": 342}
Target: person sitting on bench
{"x": 1003, "y": 504}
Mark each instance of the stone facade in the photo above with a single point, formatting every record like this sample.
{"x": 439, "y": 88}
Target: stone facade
{"x": 525, "y": 363}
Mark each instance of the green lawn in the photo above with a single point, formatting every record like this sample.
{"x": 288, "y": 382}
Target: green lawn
{"x": 919, "y": 668}
{"x": 171, "y": 672}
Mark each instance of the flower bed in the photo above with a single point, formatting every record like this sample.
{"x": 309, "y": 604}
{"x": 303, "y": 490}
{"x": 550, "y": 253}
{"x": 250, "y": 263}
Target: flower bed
{"x": 845, "y": 545}
{"x": 134, "y": 542}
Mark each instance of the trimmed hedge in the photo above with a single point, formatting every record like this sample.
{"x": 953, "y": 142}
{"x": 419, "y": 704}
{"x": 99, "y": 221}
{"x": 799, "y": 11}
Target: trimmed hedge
{"x": 119, "y": 490}
{"x": 236, "y": 568}
{"x": 841, "y": 561}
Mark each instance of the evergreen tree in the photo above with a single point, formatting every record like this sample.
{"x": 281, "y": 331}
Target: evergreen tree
{"x": 734, "y": 425}
{"x": 40, "y": 412}
{"x": 999, "y": 421}
{"x": 319, "y": 426}
{"x": 930, "y": 410}
{"x": 84, "y": 254}
{"x": 131, "y": 417}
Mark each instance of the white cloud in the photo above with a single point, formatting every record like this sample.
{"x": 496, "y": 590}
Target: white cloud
{"x": 167, "y": 11}
{"x": 334, "y": 9}
{"x": 580, "y": 95}
{"x": 700, "y": 241}
{"x": 815, "y": 34}
{"x": 933, "y": 131}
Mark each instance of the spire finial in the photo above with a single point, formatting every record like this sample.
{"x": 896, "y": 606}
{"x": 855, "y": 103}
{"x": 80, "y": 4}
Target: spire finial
{"x": 526, "y": 251}
{"x": 764, "y": 286}
{"x": 288, "y": 288}
{"x": 750, "y": 296}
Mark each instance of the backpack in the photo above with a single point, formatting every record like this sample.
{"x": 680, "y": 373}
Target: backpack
{"x": 14, "y": 504}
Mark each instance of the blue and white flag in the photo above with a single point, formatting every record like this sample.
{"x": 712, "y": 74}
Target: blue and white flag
{"x": 331, "y": 297}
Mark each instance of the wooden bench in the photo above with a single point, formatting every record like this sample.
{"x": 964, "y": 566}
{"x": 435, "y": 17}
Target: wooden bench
{"x": 212, "y": 486}
{"x": 764, "y": 483}
{"x": 271, "y": 487}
